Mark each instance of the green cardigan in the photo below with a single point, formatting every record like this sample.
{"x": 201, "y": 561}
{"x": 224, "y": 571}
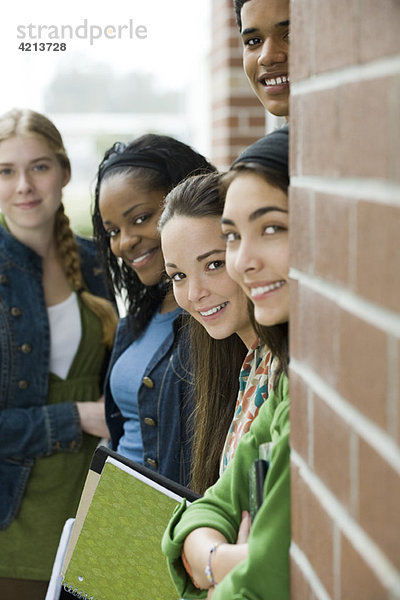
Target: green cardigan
{"x": 265, "y": 573}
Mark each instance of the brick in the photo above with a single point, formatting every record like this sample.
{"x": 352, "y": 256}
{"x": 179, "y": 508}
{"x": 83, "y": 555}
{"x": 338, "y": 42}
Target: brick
{"x": 299, "y": 586}
{"x": 297, "y": 491}
{"x": 335, "y": 46}
{"x": 379, "y": 501}
{"x": 317, "y": 331}
{"x": 332, "y": 447}
{"x": 301, "y": 39}
{"x": 226, "y": 61}
{"x": 396, "y": 399}
{"x": 223, "y": 13}
{"x": 221, "y": 103}
{"x": 332, "y": 234}
{"x": 394, "y": 92}
{"x": 300, "y": 434}
{"x": 249, "y": 101}
{"x": 241, "y": 140}
{"x": 378, "y": 254}
{"x": 258, "y": 121}
{"x": 357, "y": 578}
{"x": 233, "y": 42}
{"x": 295, "y": 151}
{"x": 301, "y": 227}
{"x": 365, "y": 128}
{"x": 231, "y": 144}
{"x": 363, "y": 367}
{"x": 312, "y": 530}
{"x": 231, "y": 122}
{"x": 235, "y": 102}
{"x": 295, "y": 344}
{"x": 379, "y": 32}
{"x": 226, "y": 40}
{"x": 222, "y": 19}
{"x": 320, "y": 133}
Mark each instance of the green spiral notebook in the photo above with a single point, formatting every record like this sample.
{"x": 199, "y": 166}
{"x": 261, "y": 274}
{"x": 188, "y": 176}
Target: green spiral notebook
{"x": 114, "y": 552}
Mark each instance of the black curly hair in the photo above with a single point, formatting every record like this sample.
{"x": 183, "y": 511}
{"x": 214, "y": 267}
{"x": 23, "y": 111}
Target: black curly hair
{"x": 177, "y": 161}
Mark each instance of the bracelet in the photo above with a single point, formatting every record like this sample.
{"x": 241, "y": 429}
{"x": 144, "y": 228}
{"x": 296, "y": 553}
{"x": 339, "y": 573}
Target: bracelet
{"x": 208, "y": 570}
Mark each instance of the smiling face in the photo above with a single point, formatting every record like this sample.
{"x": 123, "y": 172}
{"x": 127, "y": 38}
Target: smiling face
{"x": 31, "y": 183}
{"x": 255, "y": 226}
{"x": 265, "y": 36}
{"x": 130, "y": 215}
{"x": 195, "y": 261}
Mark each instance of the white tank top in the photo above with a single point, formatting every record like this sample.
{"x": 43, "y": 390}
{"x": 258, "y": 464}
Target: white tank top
{"x": 65, "y": 334}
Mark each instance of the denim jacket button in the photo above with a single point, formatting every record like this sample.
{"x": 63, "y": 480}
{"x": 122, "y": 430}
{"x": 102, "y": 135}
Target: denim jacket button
{"x": 15, "y": 311}
{"x": 151, "y": 462}
{"x": 150, "y": 421}
{"x": 149, "y": 383}
{"x": 3, "y": 279}
{"x": 22, "y": 384}
{"x": 26, "y": 348}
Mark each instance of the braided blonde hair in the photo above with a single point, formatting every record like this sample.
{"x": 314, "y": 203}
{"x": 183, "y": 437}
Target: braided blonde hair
{"x": 68, "y": 251}
{"x": 28, "y": 122}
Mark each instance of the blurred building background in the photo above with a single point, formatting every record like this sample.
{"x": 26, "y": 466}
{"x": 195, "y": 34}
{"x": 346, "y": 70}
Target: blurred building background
{"x": 94, "y": 106}
{"x": 111, "y": 89}
{"x": 185, "y": 80}
{"x": 214, "y": 109}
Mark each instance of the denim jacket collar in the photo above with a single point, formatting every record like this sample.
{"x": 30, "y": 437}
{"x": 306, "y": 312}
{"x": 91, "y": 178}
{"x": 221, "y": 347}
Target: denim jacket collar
{"x": 17, "y": 252}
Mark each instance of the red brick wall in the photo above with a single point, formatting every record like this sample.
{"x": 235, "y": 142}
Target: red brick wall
{"x": 345, "y": 322}
{"x": 238, "y": 119}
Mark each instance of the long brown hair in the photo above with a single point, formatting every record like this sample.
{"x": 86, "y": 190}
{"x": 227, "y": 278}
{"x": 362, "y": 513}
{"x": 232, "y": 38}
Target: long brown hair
{"x": 30, "y": 123}
{"x": 217, "y": 366}
{"x": 216, "y": 363}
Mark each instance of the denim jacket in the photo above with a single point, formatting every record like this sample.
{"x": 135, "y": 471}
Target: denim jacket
{"x": 165, "y": 404}
{"x": 28, "y": 428}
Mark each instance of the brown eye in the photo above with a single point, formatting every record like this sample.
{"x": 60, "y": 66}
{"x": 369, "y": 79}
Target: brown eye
{"x": 140, "y": 220}
{"x": 112, "y": 233}
{"x": 230, "y": 237}
{"x": 272, "y": 229}
{"x": 215, "y": 264}
{"x": 178, "y": 276}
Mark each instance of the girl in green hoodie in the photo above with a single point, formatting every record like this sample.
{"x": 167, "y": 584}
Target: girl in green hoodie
{"x": 210, "y": 547}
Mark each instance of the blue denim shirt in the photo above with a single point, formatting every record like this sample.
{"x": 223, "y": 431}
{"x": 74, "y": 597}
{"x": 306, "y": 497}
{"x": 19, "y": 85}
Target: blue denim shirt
{"x": 165, "y": 404}
{"x": 28, "y": 428}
